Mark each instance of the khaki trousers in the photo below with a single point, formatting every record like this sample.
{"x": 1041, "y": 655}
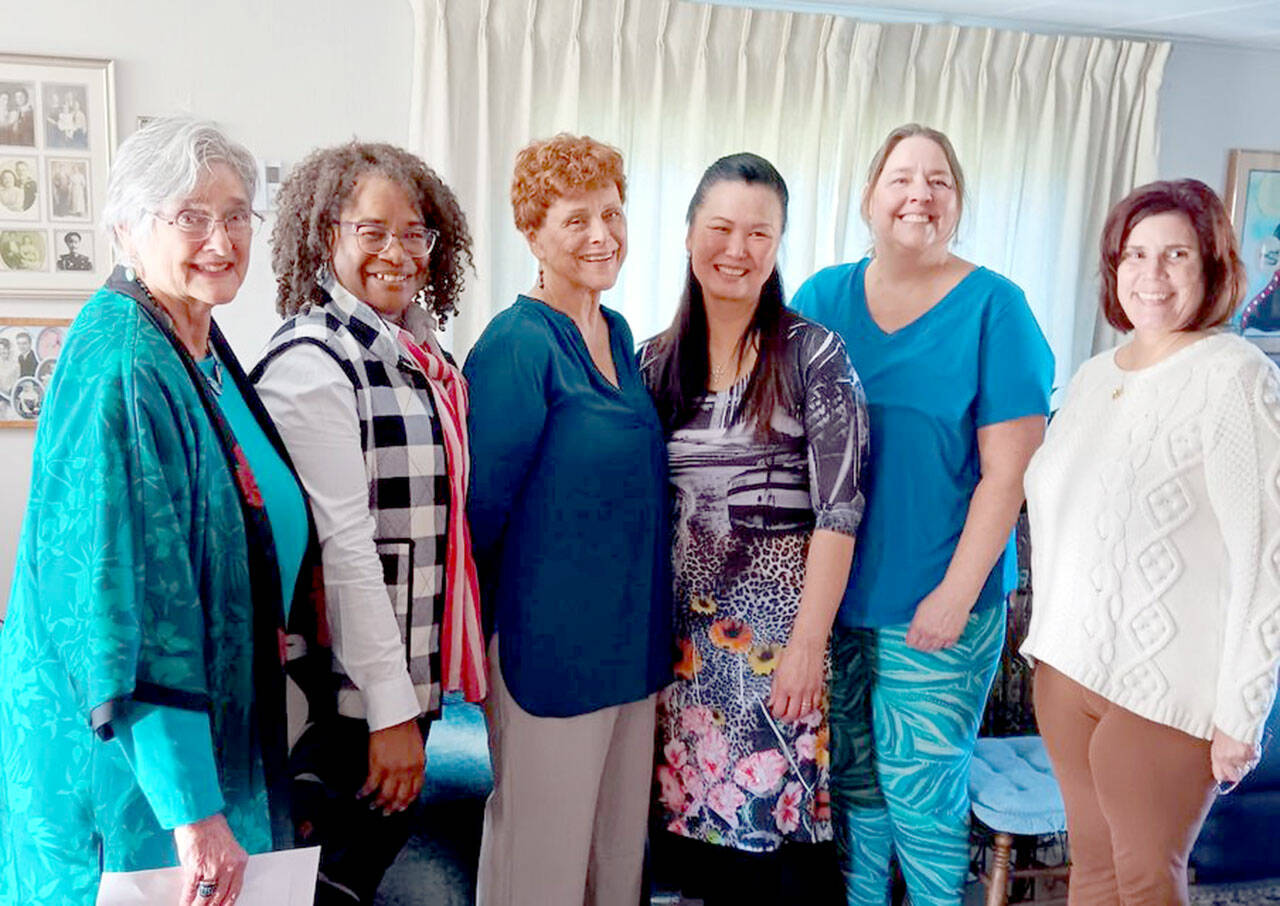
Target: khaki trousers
{"x": 565, "y": 824}
{"x": 1136, "y": 794}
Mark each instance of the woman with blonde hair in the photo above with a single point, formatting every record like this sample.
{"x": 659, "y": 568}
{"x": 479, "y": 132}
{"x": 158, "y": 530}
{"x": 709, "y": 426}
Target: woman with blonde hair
{"x": 957, "y": 378}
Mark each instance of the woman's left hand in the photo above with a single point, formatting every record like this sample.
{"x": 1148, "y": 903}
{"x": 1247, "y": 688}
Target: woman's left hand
{"x": 939, "y": 620}
{"x": 798, "y": 680}
{"x": 1230, "y": 758}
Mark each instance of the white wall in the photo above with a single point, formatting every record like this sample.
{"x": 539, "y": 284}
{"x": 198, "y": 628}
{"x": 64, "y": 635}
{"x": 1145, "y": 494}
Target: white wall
{"x": 282, "y": 76}
{"x": 1214, "y": 99}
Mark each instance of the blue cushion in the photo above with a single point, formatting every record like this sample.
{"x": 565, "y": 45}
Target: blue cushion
{"x": 1012, "y": 787}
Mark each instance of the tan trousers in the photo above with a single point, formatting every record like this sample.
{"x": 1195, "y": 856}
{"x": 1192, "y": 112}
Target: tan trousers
{"x": 565, "y": 824}
{"x": 1136, "y": 794}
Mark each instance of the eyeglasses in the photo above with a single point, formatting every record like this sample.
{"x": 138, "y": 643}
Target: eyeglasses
{"x": 374, "y": 239}
{"x": 197, "y": 225}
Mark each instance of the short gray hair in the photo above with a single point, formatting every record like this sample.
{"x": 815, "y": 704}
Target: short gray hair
{"x": 166, "y": 159}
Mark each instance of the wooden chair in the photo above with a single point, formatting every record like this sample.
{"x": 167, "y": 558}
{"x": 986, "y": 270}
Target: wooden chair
{"x": 1014, "y": 794}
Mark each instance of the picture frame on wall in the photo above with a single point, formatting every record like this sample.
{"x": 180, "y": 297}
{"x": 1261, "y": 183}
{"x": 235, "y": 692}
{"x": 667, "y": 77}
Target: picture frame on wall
{"x": 29, "y": 351}
{"x": 1253, "y": 198}
{"x": 57, "y": 135}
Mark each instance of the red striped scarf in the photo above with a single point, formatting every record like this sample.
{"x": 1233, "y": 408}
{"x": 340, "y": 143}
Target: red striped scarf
{"x": 461, "y": 638}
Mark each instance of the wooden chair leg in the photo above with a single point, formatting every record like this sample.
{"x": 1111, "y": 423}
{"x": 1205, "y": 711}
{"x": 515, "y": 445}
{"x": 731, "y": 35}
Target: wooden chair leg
{"x": 998, "y": 883}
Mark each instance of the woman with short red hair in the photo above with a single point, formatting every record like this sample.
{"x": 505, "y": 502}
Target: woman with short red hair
{"x": 1154, "y": 527}
{"x": 568, "y": 515}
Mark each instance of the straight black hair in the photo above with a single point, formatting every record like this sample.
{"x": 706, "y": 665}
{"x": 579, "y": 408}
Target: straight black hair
{"x": 682, "y": 365}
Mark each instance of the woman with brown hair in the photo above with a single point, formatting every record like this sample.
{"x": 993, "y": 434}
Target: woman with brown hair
{"x": 568, "y": 508}
{"x": 369, "y": 252}
{"x": 1154, "y": 531}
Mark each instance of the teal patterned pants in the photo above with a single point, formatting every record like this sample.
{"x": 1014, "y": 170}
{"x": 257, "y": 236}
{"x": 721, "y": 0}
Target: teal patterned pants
{"x": 903, "y": 726}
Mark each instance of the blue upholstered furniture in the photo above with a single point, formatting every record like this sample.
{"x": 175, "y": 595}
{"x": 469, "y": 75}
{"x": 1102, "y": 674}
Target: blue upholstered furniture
{"x": 1014, "y": 793}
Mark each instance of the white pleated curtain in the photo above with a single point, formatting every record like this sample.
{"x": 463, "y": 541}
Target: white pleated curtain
{"x": 1051, "y": 130}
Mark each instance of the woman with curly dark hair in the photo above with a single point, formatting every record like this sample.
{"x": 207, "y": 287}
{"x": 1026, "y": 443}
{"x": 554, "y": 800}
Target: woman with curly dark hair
{"x": 369, "y": 252}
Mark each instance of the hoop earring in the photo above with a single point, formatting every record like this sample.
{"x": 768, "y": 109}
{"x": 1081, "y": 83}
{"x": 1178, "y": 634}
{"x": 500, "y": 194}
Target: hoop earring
{"x": 541, "y": 285}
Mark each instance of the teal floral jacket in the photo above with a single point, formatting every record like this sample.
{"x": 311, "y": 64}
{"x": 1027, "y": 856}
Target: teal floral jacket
{"x": 145, "y": 572}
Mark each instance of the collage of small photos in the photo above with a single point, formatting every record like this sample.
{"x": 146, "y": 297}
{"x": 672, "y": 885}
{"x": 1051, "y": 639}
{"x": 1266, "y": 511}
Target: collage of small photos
{"x": 29, "y": 350}
{"x": 46, "y": 200}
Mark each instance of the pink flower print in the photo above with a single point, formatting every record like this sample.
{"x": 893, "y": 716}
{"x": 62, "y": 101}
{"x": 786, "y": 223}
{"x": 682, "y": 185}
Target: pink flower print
{"x": 671, "y": 792}
{"x": 786, "y": 811}
{"x": 676, "y": 753}
{"x": 807, "y": 747}
{"x": 679, "y": 827}
{"x": 713, "y": 754}
{"x": 693, "y": 784}
{"x": 725, "y": 799}
{"x": 812, "y": 719}
{"x": 760, "y": 772}
{"x": 697, "y": 720}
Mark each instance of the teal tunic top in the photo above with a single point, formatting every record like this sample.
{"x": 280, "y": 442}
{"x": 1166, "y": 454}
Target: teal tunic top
{"x": 977, "y": 357}
{"x": 146, "y": 576}
{"x": 568, "y": 513}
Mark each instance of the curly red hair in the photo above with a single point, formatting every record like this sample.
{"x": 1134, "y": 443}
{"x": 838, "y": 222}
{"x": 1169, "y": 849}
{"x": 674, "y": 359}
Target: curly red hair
{"x": 564, "y": 164}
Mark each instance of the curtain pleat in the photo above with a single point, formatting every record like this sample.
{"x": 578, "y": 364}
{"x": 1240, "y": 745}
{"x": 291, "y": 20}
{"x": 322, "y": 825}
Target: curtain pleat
{"x": 1051, "y": 131}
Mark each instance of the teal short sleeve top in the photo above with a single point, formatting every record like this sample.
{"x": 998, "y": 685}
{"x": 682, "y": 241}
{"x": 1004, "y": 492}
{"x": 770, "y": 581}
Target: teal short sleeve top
{"x": 976, "y": 358}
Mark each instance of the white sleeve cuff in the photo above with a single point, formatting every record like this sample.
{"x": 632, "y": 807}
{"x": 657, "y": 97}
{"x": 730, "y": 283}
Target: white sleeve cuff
{"x": 390, "y": 701}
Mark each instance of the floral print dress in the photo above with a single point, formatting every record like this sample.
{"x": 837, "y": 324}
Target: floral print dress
{"x": 744, "y": 509}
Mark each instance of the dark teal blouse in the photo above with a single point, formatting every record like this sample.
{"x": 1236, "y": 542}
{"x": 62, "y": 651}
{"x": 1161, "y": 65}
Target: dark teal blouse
{"x": 568, "y": 514}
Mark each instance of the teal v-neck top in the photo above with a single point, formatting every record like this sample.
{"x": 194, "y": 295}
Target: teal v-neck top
{"x": 568, "y": 513}
{"x": 977, "y": 357}
{"x": 281, "y": 496}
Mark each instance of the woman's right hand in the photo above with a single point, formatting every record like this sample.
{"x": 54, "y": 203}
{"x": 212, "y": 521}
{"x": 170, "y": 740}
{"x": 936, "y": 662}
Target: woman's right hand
{"x": 208, "y": 851}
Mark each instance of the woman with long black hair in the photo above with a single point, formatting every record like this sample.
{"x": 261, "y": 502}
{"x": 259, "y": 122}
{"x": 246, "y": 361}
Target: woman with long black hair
{"x": 766, "y": 435}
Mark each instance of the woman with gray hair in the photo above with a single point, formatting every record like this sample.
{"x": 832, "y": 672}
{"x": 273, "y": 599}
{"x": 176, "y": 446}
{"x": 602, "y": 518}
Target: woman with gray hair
{"x": 142, "y": 715}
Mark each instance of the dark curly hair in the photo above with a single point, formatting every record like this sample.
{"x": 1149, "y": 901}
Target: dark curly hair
{"x": 309, "y": 205}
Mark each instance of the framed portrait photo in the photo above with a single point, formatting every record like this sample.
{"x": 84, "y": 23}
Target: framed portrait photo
{"x": 57, "y": 134}
{"x": 29, "y": 350}
{"x": 1253, "y": 197}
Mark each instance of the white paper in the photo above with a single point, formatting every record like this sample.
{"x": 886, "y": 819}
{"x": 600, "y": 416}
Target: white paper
{"x": 285, "y": 878}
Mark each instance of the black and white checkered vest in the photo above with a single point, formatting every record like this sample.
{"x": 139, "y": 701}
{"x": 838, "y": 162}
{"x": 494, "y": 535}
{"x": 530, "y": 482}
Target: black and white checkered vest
{"x": 404, "y": 458}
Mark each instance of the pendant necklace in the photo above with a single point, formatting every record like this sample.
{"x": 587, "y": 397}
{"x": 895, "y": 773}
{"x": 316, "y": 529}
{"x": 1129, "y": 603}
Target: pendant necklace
{"x": 213, "y": 377}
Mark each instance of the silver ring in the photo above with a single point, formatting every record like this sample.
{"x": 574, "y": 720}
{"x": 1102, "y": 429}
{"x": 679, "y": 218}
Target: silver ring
{"x": 206, "y": 889}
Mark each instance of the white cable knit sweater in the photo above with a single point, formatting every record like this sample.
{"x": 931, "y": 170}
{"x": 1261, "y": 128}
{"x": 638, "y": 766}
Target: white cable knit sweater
{"x": 1155, "y": 537}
